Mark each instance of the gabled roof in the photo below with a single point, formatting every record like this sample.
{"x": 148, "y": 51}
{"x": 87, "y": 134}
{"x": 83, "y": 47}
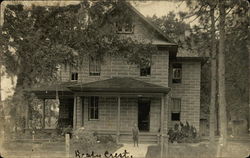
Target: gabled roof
{"x": 119, "y": 84}
{"x": 152, "y": 25}
{"x": 164, "y": 42}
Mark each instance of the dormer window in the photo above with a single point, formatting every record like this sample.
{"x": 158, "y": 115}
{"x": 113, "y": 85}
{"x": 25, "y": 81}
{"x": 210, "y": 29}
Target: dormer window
{"x": 124, "y": 27}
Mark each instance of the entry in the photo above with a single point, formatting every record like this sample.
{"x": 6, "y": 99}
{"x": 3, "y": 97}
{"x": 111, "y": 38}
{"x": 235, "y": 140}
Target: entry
{"x": 143, "y": 114}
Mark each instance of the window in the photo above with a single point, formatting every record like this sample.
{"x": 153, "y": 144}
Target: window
{"x": 74, "y": 76}
{"x": 93, "y": 108}
{"x": 124, "y": 27}
{"x": 94, "y": 66}
{"x": 177, "y": 73}
{"x": 145, "y": 71}
{"x": 176, "y": 109}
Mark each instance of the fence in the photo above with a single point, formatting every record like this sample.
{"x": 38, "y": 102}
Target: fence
{"x": 34, "y": 147}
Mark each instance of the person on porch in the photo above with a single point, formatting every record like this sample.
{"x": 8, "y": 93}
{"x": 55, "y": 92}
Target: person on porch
{"x": 135, "y": 133}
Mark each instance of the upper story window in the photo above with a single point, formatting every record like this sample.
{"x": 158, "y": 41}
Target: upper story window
{"x": 177, "y": 73}
{"x": 93, "y": 108}
{"x": 145, "y": 71}
{"x": 94, "y": 66}
{"x": 74, "y": 76}
{"x": 176, "y": 109}
{"x": 124, "y": 27}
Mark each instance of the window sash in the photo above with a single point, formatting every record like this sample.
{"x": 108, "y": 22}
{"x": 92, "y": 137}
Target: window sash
{"x": 124, "y": 28}
{"x": 176, "y": 105}
{"x": 93, "y": 108}
{"x": 74, "y": 76}
{"x": 145, "y": 71}
{"x": 176, "y": 73}
{"x": 94, "y": 66}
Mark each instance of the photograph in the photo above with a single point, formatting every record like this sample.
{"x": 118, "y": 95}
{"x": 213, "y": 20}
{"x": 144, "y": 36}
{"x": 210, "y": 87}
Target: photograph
{"x": 124, "y": 79}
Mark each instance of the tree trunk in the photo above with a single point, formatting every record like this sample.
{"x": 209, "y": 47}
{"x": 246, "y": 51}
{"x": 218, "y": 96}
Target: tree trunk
{"x": 213, "y": 78}
{"x": 221, "y": 75}
{"x": 19, "y": 110}
{"x": 248, "y": 47}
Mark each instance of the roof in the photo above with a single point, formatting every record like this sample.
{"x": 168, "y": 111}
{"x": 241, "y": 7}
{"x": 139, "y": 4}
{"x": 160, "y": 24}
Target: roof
{"x": 165, "y": 41}
{"x": 116, "y": 85}
{"x": 51, "y": 91}
{"x": 170, "y": 42}
{"x": 53, "y": 87}
{"x": 119, "y": 84}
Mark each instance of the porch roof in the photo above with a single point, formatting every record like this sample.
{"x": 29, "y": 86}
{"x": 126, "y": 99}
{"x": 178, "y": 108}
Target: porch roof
{"x": 123, "y": 85}
{"x": 49, "y": 91}
{"x": 119, "y": 84}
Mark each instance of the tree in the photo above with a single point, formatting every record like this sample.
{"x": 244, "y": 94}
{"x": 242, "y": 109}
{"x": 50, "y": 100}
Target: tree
{"x": 221, "y": 74}
{"x": 213, "y": 76}
{"x": 35, "y": 41}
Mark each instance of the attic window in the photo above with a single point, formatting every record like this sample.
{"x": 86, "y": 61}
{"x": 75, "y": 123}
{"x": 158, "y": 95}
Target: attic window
{"x": 124, "y": 27}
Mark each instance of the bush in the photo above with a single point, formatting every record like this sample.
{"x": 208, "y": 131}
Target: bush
{"x": 83, "y": 140}
{"x": 106, "y": 139}
{"x": 183, "y": 133}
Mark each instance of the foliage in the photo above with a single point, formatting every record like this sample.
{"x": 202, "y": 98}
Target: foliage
{"x": 236, "y": 52}
{"x": 175, "y": 28}
{"x": 36, "y": 41}
{"x": 83, "y": 140}
{"x": 183, "y": 133}
{"x": 108, "y": 140}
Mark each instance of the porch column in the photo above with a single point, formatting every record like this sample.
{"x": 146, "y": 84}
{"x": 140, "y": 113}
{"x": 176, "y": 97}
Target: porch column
{"x": 26, "y": 116}
{"x": 118, "y": 119}
{"x": 43, "y": 113}
{"x": 162, "y": 125}
{"x": 74, "y": 113}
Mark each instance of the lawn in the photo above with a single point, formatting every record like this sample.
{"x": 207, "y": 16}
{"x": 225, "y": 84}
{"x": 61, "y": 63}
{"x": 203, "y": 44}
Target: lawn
{"x": 202, "y": 150}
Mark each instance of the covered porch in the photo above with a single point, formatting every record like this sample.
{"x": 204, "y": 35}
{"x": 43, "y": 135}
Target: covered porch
{"x": 113, "y": 106}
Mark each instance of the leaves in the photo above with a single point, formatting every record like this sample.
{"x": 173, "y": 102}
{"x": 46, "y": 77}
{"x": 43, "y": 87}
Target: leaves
{"x": 45, "y": 37}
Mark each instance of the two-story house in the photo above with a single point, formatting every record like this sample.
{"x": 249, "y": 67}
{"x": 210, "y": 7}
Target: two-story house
{"x": 109, "y": 97}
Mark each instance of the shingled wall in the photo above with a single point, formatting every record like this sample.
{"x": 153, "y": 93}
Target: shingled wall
{"x": 188, "y": 91}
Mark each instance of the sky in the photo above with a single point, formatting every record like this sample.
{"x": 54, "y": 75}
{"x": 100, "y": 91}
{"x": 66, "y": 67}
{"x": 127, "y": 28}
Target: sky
{"x": 148, "y": 8}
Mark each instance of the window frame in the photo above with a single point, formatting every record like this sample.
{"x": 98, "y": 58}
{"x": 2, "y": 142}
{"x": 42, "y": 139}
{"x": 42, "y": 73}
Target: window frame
{"x": 96, "y": 66}
{"x": 147, "y": 71}
{"x": 93, "y": 106}
{"x": 177, "y": 67}
{"x": 173, "y": 109}
{"x": 74, "y": 76}
{"x": 121, "y": 28}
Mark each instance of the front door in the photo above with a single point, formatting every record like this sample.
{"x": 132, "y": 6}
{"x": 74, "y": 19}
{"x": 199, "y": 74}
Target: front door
{"x": 143, "y": 114}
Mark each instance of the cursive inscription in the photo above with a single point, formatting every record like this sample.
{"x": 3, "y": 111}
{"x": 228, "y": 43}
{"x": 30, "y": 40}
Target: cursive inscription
{"x": 106, "y": 154}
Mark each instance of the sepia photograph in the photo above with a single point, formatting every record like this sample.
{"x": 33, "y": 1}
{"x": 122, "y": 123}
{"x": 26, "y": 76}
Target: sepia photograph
{"x": 124, "y": 79}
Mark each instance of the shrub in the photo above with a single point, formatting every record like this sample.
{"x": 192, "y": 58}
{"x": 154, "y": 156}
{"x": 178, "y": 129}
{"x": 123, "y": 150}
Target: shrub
{"x": 83, "y": 140}
{"x": 183, "y": 133}
{"x": 106, "y": 139}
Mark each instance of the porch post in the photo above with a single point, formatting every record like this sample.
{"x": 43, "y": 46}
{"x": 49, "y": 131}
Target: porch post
{"x": 43, "y": 113}
{"x": 118, "y": 119}
{"x": 74, "y": 113}
{"x": 162, "y": 126}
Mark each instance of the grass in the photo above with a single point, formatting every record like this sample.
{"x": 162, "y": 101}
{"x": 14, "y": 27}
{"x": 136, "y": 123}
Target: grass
{"x": 202, "y": 150}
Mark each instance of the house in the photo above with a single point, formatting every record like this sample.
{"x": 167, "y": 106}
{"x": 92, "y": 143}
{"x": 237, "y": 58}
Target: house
{"x": 110, "y": 97}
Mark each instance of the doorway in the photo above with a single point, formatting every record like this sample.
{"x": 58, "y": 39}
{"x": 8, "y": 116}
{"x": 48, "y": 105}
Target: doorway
{"x": 143, "y": 114}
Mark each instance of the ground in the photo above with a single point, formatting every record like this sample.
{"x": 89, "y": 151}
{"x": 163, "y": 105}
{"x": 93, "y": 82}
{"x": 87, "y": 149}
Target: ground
{"x": 57, "y": 149}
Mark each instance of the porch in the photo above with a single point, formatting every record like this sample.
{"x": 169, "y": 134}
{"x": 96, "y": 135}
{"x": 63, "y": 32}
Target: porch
{"x": 114, "y": 105}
